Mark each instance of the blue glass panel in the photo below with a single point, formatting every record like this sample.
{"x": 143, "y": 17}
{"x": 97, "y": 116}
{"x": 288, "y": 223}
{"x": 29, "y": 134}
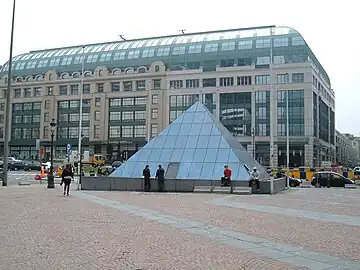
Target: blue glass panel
{"x": 203, "y": 142}
{"x": 193, "y": 107}
{"x": 188, "y": 117}
{"x": 233, "y": 157}
{"x": 215, "y": 130}
{"x": 139, "y": 169}
{"x": 223, "y": 155}
{"x": 155, "y": 155}
{"x": 214, "y": 142}
{"x": 195, "y": 129}
{"x": 181, "y": 141}
{"x": 165, "y": 131}
{"x": 224, "y": 143}
{"x": 191, "y": 142}
{"x": 195, "y": 171}
{"x": 206, "y": 129}
{"x": 165, "y": 155}
{"x": 211, "y": 155}
{"x": 184, "y": 170}
{"x": 188, "y": 155}
{"x": 129, "y": 169}
{"x": 159, "y": 141}
{"x": 243, "y": 174}
{"x": 174, "y": 129}
{"x": 150, "y": 144}
{"x": 199, "y": 117}
{"x": 170, "y": 141}
{"x": 218, "y": 171}
{"x": 135, "y": 156}
{"x": 179, "y": 119}
{"x": 154, "y": 166}
{"x": 207, "y": 171}
{"x": 235, "y": 169}
{"x": 207, "y": 119}
{"x": 199, "y": 155}
{"x": 144, "y": 154}
{"x": 185, "y": 129}
{"x": 176, "y": 155}
{"x": 118, "y": 171}
{"x": 201, "y": 108}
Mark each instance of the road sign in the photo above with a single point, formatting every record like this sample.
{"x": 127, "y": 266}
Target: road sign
{"x": 37, "y": 144}
{"x": 68, "y": 148}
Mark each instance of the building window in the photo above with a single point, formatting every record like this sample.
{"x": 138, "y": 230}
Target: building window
{"x": 37, "y": 106}
{"x": 154, "y": 113}
{"x": 282, "y": 78}
{"x": 154, "y": 130}
{"x": 263, "y": 43}
{"x": 26, "y": 133}
{"x": 74, "y": 89}
{"x": 86, "y": 117}
{"x": 209, "y": 82}
{"x": 177, "y": 84}
{"x": 263, "y": 61}
{"x": 211, "y": 47}
{"x": 244, "y": 62}
{"x": 244, "y": 80}
{"x": 17, "y": 93}
{"x": 115, "y": 87}
{"x": 73, "y": 132}
{"x": 74, "y": 104}
{"x": 16, "y": 133}
{"x": 128, "y": 101}
{"x": 47, "y": 104}
{"x": 63, "y": 90}
{"x": 227, "y": 63}
{"x": 97, "y": 102}
{"x": 127, "y": 131}
{"x": 298, "y": 78}
{"x": 115, "y": 116}
{"x": 50, "y": 91}
{"x": 140, "y": 101}
{"x": 155, "y": 99}
{"x": 127, "y": 116}
{"x": 281, "y": 42}
{"x": 97, "y": 116}
{"x": 140, "y": 115}
{"x": 86, "y": 88}
{"x": 46, "y": 117}
{"x": 2, "y": 119}
{"x": 227, "y": 81}
{"x": 37, "y": 91}
{"x": 100, "y": 87}
{"x": 97, "y": 132}
{"x": 262, "y": 113}
{"x": 46, "y": 132}
{"x": 27, "y": 119}
{"x": 245, "y": 45}
{"x": 1, "y": 132}
{"x": 74, "y": 117}
{"x": 2, "y": 106}
{"x": 115, "y": 132}
{"x": 262, "y": 79}
{"x": 36, "y": 118}
{"x": 27, "y": 92}
{"x": 128, "y": 86}
{"x": 157, "y": 84}
{"x": 193, "y": 83}
{"x": 139, "y": 131}
{"x": 140, "y": 85}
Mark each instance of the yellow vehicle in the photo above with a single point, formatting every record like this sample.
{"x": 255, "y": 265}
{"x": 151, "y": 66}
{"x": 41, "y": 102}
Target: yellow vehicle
{"x": 97, "y": 159}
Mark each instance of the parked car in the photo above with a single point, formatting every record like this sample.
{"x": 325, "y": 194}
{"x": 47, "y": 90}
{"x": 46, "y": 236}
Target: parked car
{"x": 330, "y": 179}
{"x": 294, "y": 182}
{"x": 17, "y": 165}
{"x": 32, "y": 166}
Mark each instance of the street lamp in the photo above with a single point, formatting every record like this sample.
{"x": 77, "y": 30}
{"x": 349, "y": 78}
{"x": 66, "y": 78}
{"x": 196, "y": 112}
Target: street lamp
{"x": 51, "y": 175}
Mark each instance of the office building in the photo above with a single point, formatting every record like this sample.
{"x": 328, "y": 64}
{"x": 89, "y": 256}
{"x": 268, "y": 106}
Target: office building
{"x": 133, "y": 89}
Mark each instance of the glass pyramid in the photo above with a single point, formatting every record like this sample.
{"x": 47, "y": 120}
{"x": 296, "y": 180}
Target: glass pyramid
{"x": 195, "y": 146}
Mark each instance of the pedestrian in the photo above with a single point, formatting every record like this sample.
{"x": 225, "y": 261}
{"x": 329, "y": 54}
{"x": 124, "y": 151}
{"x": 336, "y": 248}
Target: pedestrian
{"x": 147, "y": 174}
{"x": 225, "y": 180}
{"x": 66, "y": 177}
{"x": 160, "y": 175}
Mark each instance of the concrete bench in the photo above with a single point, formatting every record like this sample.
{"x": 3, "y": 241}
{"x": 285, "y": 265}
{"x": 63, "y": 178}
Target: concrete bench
{"x": 23, "y": 183}
{"x": 305, "y": 184}
{"x": 242, "y": 190}
{"x": 203, "y": 189}
{"x": 222, "y": 190}
{"x": 350, "y": 185}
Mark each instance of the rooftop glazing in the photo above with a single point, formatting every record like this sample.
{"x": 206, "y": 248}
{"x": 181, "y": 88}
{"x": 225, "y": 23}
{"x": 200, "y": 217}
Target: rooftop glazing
{"x": 172, "y": 50}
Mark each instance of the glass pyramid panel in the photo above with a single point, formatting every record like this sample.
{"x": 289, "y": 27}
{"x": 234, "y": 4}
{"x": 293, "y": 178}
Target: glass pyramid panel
{"x": 202, "y": 146}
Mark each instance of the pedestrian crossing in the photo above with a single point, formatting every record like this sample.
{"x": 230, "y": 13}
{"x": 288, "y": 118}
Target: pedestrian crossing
{"x": 22, "y": 173}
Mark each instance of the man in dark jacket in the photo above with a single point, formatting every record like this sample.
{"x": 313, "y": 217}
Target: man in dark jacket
{"x": 66, "y": 177}
{"x": 146, "y": 174}
{"x": 160, "y": 175}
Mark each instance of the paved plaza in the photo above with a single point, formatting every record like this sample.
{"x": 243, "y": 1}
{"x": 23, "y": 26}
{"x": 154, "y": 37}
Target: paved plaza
{"x": 300, "y": 229}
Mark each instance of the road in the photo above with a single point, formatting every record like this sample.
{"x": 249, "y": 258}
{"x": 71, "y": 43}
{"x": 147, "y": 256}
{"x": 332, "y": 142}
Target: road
{"x": 14, "y": 177}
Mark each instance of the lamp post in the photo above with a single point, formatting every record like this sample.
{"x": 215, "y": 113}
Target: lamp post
{"x": 51, "y": 175}
{"x": 7, "y": 108}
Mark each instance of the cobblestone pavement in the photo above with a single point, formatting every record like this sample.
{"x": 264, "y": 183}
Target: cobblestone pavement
{"x": 326, "y": 237}
{"x": 41, "y": 229}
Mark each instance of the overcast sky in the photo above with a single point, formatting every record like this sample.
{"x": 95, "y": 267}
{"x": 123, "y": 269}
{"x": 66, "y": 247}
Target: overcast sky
{"x": 330, "y": 28}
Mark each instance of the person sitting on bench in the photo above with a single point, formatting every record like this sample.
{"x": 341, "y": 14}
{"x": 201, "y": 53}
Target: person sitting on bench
{"x": 225, "y": 180}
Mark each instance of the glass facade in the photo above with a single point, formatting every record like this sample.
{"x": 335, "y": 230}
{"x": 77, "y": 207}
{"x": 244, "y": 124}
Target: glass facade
{"x": 25, "y": 121}
{"x": 315, "y": 116}
{"x": 235, "y": 112}
{"x": 194, "y": 147}
{"x": 323, "y": 121}
{"x": 296, "y": 112}
{"x": 179, "y": 104}
{"x": 262, "y": 113}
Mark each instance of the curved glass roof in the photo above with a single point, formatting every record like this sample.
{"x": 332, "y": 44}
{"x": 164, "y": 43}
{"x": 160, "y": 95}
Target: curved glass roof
{"x": 168, "y": 49}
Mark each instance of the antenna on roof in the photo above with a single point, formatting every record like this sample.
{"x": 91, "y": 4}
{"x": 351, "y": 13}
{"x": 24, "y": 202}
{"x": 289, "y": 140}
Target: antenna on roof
{"x": 182, "y": 31}
{"x": 122, "y": 37}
